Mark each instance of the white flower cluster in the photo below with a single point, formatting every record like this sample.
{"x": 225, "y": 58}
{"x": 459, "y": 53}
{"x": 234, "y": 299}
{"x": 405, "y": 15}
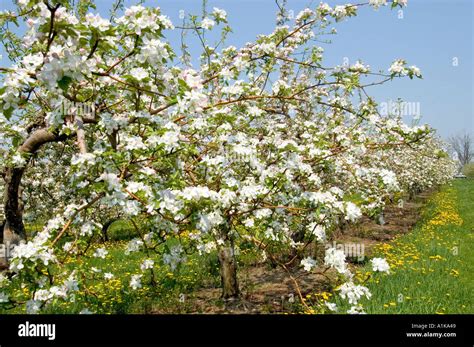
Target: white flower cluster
{"x": 64, "y": 62}
{"x": 174, "y": 257}
{"x": 337, "y": 259}
{"x": 100, "y": 253}
{"x": 153, "y": 52}
{"x": 308, "y": 263}
{"x": 147, "y": 264}
{"x": 353, "y": 293}
{"x": 377, "y": 3}
{"x": 136, "y": 282}
{"x": 193, "y": 100}
{"x": 399, "y": 68}
{"x": 209, "y": 221}
{"x": 380, "y": 264}
{"x": 34, "y": 250}
{"x": 96, "y": 21}
{"x": 317, "y": 230}
{"x": 44, "y": 297}
{"x": 134, "y": 246}
{"x": 140, "y": 19}
{"x": 219, "y": 14}
{"x": 207, "y": 23}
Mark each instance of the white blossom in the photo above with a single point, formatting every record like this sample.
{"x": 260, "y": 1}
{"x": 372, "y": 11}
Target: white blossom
{"x": 97, "y": 22}
{"x": 207, "y": 23}
{"x": 139, "y": 73}
{"x": 398, "y": 67}
{"x": 135, "y": 282}
{"x": 108, "y": 275}
{"x": 219, "y": 14}
{"x": 331, "y": 306}
{"x": 336, "y": 258}
{"x": 3, "y": 297}
{"x": 100, "y": 253}
{"x": 33, "y": 306}
{"x": 380, "y": 264}
{"x": 308, "y": 263}
{"x": 147, "y": 264}
{"x": 353, "y": 293}
{"x": 377, "y": 3}
{"x": 352, "y": 212}
{"x": 134, "y": 245}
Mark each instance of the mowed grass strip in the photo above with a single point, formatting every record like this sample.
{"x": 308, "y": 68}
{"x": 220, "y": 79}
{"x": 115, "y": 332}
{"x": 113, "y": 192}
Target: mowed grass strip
{"x": 431, "y": 267}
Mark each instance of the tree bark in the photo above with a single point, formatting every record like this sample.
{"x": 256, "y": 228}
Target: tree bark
{"x": 81, "y": 135}
{"x": 228, "y": 270}
{"x": 4, "y": 258}
{"x": 14, "y": 229}
{"x": 105, "y": 229}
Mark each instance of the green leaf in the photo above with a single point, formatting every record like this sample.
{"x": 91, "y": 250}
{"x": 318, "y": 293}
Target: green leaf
{"x": 64, "y": 83}
{"x": 16, "y": 141}
{"x": 8, "y": 113}
{"x": 183, "y": 84}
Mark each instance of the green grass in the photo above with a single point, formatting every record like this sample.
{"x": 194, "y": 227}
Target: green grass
{"x": 432, "y": 267}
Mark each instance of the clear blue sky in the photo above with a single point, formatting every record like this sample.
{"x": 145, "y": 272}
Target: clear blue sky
{"x": 430, "y": 35}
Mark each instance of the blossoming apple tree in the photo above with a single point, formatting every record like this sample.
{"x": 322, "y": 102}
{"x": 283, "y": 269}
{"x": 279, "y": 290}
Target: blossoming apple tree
{"x": 263, "y": 144}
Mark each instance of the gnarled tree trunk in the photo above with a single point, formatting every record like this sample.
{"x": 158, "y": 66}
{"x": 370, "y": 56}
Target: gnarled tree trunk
{"x": 228, "y": 270}
{"x": 14, "y": 229}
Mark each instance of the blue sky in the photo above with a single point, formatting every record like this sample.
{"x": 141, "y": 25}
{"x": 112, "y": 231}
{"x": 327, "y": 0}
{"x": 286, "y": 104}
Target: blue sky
{"x": 431, "y": 35}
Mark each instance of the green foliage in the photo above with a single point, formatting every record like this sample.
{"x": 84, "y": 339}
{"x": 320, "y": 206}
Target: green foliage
{"x": 64, "y": 83}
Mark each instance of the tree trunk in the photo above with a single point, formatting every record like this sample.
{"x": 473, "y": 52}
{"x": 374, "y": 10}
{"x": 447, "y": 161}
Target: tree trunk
{"x": 14, "y": 230}
{"x": 228, "y": 269}
{"x": 81, "y": 135}
{"x": 105, "y": 229}
{"x": 2, "y": 224}
{"x": 3, "y": 259}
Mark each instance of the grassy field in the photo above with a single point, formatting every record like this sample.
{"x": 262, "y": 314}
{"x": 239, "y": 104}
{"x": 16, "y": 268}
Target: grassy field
{"x": 432, "y": 267}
